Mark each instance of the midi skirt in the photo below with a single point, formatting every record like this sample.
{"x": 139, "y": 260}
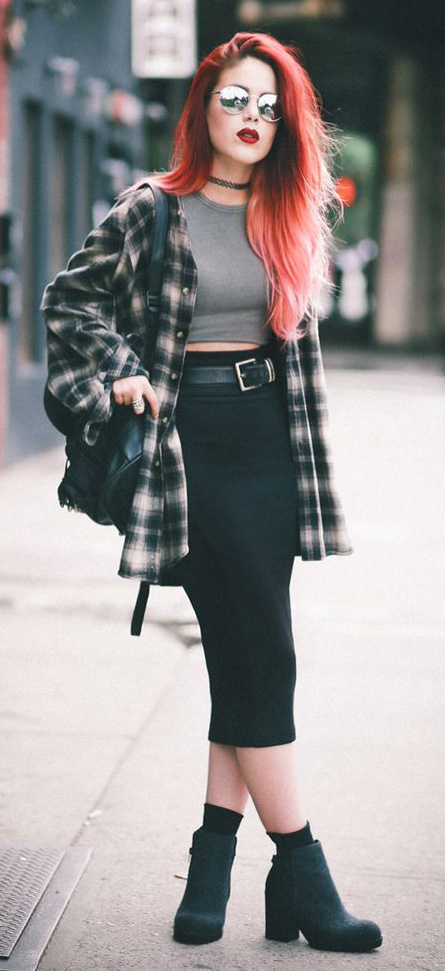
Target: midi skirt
{"x": 243, "y": 528}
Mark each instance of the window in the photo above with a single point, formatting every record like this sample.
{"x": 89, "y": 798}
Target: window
{"x": 85, "y": 195}
{"x": 29, "y": 345}
{"x": 61, "y": 190}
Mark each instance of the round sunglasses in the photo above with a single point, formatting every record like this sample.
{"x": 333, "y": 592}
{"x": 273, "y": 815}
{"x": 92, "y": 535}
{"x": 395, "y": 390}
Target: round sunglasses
{"x": 234, "y": 99}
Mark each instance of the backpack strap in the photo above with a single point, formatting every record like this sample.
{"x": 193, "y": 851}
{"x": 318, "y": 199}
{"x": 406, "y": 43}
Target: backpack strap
{"x": 155, "y": 270}
{"x": 157, "y": 257}
{"x": 139, "y": 610}
{"x": 155, "y": 274}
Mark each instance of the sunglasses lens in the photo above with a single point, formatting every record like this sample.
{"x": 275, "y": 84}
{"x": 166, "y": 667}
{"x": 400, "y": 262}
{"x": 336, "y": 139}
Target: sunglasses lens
{"x": 233, "y": 99}
{"x": 268, "y": 107}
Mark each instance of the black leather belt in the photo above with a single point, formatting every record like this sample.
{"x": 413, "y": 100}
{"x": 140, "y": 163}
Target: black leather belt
{"x": 248, "y": 374}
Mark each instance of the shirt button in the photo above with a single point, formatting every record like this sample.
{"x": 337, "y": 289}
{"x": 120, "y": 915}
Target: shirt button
{"x": 174, "y": 376}
{"x": 186, "y": 289}
{"x": 157, "y": 463}
{"x": 180, "y": 333}
{"x": 165, "y": 419}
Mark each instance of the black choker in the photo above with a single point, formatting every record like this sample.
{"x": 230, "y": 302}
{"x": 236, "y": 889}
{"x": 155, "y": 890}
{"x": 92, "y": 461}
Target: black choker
{"x": 228, "y": 185}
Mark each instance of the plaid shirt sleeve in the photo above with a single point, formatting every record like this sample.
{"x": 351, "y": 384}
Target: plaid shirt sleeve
{"x": 84, "y": 308}
{"x": 334, "y": 530}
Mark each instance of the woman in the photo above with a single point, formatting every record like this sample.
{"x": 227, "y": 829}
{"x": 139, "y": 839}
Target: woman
{"x": 236, "y": 478}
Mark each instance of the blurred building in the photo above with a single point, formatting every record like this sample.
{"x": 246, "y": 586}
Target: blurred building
{"x": 380, "y": 70}
{"x": 87, "y": 104}
{"x": 74, "y": 132}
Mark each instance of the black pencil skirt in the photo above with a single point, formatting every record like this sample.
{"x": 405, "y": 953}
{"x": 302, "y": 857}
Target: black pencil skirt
{"x": 242, "y": 520}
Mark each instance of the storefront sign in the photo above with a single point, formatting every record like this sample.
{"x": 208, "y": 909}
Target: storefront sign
{"x": 163, "y": 38}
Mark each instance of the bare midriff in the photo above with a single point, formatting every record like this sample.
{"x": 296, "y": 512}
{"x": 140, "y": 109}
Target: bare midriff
{"x": 220, "y": 346}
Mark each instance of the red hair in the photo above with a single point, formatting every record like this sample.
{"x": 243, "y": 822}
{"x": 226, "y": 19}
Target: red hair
{"x": 291, "y": 188}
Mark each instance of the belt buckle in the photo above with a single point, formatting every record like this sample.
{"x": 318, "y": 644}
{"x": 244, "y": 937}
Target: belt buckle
{"x": 252, "y": 360}
{"x": 270, "y": 369}
{"x": 238, "y": 366}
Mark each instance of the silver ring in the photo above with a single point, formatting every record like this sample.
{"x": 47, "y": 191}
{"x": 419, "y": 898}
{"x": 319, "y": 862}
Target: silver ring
{"x": 137, "y": 403}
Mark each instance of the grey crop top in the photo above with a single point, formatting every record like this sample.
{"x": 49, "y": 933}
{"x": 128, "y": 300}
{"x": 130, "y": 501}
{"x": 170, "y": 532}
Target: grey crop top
{"x": 231, "y": 302}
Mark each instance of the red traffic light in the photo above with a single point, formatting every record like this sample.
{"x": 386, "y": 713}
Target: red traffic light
{"x": 347, "y": 189}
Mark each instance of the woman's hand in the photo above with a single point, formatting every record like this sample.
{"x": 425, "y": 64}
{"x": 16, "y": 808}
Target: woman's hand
{"x": 138, "y": 388}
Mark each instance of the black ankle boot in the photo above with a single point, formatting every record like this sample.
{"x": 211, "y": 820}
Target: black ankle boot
{"x": 201, "y": 914}
{"x": 301, "y": 896}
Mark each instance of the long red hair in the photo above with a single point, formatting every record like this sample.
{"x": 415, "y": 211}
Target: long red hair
{"x": 292, "y": 189}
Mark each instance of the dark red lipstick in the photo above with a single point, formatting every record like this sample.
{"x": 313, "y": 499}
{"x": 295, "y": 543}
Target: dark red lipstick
{"x": 248, "y": 135}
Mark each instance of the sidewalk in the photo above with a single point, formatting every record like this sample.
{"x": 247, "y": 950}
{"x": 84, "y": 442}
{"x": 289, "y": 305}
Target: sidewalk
{"x": 104, "y": 735}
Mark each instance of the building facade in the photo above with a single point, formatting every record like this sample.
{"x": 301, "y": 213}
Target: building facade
{"x": 74, "y": 133}
{"x": 380, "y": 70}
{"x": 86, "y": 107}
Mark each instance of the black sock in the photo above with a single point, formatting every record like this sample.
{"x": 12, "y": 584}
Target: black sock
{"x": 285, "y": 842}
{"x": 217, "y": 819}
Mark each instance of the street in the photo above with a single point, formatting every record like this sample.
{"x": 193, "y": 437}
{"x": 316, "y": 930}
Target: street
{"x": 105, "y": 736}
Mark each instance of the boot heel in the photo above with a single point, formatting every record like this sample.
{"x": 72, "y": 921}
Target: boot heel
{"x": 280, "y": 927}
{"x": 281, "y": 924}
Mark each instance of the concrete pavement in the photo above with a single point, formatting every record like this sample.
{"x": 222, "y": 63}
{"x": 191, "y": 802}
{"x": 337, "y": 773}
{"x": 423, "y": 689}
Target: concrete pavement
{"x": 104, "y": 735}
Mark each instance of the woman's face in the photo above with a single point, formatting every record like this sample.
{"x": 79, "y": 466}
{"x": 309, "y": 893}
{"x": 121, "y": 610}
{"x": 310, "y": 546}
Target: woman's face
{"x": 224, "y": 129}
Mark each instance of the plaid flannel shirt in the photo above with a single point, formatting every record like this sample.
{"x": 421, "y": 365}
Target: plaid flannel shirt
{"x": 96, "y": 315}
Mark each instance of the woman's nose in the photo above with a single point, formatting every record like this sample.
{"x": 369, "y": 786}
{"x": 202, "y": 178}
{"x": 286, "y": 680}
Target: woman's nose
{"x": 251, "y": 109}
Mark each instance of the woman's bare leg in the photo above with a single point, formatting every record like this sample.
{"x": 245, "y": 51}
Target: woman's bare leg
{"x": 225, "y": 784}
{"x": 270, "y": 775}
